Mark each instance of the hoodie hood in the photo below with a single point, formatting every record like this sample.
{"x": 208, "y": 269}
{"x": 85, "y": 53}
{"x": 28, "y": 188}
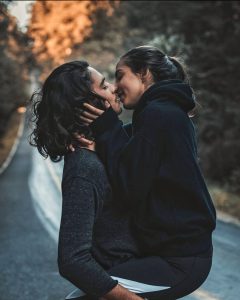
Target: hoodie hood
{"x": 173, "y": 90}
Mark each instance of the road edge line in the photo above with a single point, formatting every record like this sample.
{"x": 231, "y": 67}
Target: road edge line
{"x": 226, "y": 218}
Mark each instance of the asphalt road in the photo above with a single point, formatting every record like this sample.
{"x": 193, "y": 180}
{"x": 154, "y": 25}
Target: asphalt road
{"x": 30, "y": 213}
{"x": 28, "y": 267}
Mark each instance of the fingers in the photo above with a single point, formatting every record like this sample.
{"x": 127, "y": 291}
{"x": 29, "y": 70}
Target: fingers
{"x": 80, "y": 112}
{"x": 85, "y": 142}
{"x": 93, "y": 109}
{"x": 89, "y": 116}
{"x": 107, "y": 104}
{"x": 85, "y": 120}
{"x": 82, "y": 140}
{"x": 71, "y": 148}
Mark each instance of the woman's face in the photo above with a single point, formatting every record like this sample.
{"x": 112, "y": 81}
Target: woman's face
{"x": 130, "y": 86}
{"x": 105, "y": 89}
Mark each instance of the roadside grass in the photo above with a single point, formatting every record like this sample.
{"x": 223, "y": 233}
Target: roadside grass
{"x": 225, "y": 201}
{"x": 8, "y": 139}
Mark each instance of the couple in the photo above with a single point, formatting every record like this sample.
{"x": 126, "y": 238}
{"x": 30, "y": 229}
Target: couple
{"x": 137, "y": 218}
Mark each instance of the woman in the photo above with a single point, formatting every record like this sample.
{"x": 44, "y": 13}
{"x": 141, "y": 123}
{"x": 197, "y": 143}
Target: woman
{"x": 156, "y": 173}
{"x": 94, "y": 236}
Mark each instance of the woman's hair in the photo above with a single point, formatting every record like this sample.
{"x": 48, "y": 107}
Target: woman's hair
{"x": 161, "y": 66}
{"x": 55, "y": 109}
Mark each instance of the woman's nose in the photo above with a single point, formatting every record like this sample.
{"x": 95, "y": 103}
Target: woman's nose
{"x": 113, "y": 88}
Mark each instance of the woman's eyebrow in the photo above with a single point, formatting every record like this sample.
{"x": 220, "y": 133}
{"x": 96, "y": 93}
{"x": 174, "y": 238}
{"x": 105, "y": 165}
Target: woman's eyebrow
{"x": 102, "y": 82}
{"x": 117, "y": 72}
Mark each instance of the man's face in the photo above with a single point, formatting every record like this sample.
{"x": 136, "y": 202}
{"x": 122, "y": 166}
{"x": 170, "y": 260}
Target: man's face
{"x": 105, "y": 89}
{"x": 129, "y": 86}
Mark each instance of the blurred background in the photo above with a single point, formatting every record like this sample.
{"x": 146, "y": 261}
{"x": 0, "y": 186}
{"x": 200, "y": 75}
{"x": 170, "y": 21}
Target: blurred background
{"x": 205, "y": 34}
{"x": 36, "y": 36}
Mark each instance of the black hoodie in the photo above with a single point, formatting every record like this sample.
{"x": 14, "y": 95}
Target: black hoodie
{"x": 155, "y": 171}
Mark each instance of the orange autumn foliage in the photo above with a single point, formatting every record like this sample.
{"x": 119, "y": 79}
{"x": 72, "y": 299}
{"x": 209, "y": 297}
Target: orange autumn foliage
{"x": 57, "y": 26}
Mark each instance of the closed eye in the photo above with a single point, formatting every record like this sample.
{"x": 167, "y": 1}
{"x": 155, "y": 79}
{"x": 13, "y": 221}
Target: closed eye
{"x": 102, "y": 83}
{"x": 118, "y": 75}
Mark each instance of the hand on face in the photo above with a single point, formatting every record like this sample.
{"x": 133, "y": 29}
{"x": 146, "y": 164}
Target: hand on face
{"x": 90, "y": 114}
{"x": 83, "y": 142}
{"x": 106, "y": 90}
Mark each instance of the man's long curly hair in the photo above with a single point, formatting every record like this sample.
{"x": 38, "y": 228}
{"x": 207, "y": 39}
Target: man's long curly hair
{"x": 55, "y": 107}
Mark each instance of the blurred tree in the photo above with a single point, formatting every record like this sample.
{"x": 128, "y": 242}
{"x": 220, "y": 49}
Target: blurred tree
{"x": 58, "y": 27}
{"x": 215, "y": 69}
{"x": 14, "y": 58}
{"x": 105, "y": 44}
{"x": 205, "y": 34}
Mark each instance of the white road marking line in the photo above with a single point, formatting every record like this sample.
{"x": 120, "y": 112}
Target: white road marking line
{"x": 14, "y": 147}
{"x": 45, "y": 197}
{"x": 55, "y": 177}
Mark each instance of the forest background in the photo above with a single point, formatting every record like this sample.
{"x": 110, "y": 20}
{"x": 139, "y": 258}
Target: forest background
{"x": 204, "y": 34}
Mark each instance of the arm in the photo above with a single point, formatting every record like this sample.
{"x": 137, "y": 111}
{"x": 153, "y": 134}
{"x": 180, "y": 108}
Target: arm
{"x": 75, "y": 261}
{"x": 131, "y": 162}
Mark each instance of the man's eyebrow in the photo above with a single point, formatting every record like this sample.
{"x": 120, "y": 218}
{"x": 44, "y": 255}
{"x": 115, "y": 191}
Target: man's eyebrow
{"x": 102, "y": 82}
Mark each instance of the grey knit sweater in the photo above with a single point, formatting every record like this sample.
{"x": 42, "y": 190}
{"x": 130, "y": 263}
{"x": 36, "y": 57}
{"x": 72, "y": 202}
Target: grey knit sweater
{"x": 93, "y": 235}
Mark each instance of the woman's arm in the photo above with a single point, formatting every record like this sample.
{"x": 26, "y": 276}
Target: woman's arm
{"x": 128, "y": 128}
{"x": 131, "y": 162}
{"x": 75, "y": 261}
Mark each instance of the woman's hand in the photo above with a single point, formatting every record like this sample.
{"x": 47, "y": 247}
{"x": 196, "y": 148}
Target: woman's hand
{"x": 82, "y": 140}
{"x": 87, "y": 117}
{"x": 119, "y": 293}
{"x": 90, "y": 114}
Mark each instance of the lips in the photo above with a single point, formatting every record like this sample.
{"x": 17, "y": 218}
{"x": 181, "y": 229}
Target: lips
{"x": 121, "y": 96}
{"x": 117, "y": 99}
